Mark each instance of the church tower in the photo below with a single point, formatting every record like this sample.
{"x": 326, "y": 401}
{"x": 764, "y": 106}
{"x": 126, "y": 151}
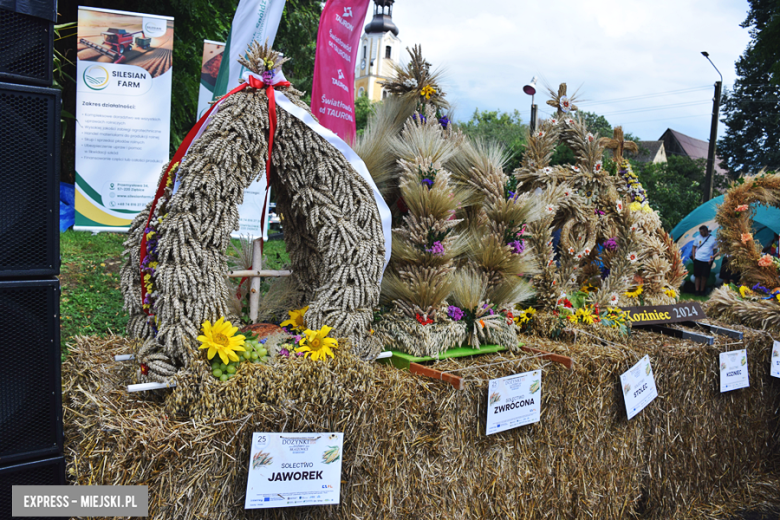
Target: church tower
{"x": 380, "y": 47}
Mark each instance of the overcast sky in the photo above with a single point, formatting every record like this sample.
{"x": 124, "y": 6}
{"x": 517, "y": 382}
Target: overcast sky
{"x": 609, "y": 49}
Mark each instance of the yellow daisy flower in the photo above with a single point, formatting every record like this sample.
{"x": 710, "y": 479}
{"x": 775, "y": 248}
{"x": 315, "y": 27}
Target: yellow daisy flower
{"x": 316, "y": 344}
{"x": 221, "y": 339}
{"x": 296, "y": 321}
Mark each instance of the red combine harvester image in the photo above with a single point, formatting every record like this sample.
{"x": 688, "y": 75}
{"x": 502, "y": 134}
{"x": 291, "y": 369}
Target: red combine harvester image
{"x": 118, "y": 41}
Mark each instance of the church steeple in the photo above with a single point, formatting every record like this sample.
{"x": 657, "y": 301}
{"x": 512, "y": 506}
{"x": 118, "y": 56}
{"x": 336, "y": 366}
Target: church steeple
{"x": 383, "y": 18}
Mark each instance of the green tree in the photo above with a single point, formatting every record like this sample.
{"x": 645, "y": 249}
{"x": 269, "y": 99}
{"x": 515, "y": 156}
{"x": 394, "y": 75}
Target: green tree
{"x": 752, "y": 106}
{"x": 501, "y": 127}
{"x": 675, "y": 188}
{"x": 363, "y": 109}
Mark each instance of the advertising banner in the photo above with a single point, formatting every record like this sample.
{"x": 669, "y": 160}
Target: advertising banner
{"x": 255, "y": 20}
{"x": 209, "y": 70}
{"x": 123, "y": 97}
{"x": 333, "y": 90}
{"x": 294, "y": 469}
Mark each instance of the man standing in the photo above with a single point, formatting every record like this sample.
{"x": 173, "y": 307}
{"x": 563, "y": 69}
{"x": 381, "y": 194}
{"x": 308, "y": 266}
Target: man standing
{"x": 704, "y": 251}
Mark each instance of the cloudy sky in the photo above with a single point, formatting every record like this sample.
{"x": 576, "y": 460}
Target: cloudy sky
{"x": 648, "y": 51}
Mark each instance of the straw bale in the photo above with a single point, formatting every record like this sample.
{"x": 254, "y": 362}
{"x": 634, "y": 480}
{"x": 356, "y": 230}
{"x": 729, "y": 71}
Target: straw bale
{"x": 416, "y": 448}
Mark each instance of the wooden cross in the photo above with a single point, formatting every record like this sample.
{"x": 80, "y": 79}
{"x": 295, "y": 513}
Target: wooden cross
{"x": 556, "y": 100}
{"x": 618, "y": 144}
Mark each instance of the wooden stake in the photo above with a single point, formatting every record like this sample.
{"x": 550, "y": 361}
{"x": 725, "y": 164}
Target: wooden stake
{"x": 455, "y": 381}
{"x": 254, "y": 287}
{"x": 563, "y": 360}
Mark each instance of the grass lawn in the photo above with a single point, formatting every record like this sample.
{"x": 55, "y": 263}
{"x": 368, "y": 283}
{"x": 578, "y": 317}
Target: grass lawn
{"x": 91, "y": 302}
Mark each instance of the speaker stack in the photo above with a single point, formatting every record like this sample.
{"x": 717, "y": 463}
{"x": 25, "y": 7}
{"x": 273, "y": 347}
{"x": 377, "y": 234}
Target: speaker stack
{"x": 31, "y": 451}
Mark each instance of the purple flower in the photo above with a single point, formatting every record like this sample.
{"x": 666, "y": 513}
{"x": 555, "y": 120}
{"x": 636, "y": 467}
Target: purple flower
{"x": 268, "y": 76}
{"x": 518, "y": 246}
{"x": 444, "y": 121}
{"x": 610, "y": 244}
{"x": 491, "y": 312}
{"x": 436, "y": 249}
{"x": 598, "y": 212}
{"x": 284, "y": 352}
{"x": 759, "y": 287}
{"x": 262, "y": 341}
{"x": 455, "y": 313}
{"x": 428, "y": 182}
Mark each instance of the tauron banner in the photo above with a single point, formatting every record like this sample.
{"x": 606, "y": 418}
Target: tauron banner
{"x": 333, "y": 90}
{"x": 255, "y": 20}
{"x": 123, "y": 97}
{"x": 209, "y": 70}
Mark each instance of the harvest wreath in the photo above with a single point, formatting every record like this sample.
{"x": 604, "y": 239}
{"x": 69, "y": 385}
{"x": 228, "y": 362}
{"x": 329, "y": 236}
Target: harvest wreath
{"x": 757, "y": 302}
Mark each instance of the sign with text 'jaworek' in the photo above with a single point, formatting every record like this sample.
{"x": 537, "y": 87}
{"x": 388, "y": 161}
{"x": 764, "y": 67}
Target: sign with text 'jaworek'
{"x": 660, "y": 314}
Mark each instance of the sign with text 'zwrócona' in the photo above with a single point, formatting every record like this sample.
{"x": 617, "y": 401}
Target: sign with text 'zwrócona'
{"x": 514, "y": 401}
{"x": 659, "y": 314}
{"x": 294, "y": 469}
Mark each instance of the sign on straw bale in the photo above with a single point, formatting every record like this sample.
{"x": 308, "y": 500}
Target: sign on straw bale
{"x": 416, "y": 448}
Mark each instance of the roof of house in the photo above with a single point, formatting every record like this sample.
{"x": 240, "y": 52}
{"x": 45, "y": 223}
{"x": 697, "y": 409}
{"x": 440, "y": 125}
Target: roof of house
{"x": 690, "y": 146}
{"x": 648, "y": 150}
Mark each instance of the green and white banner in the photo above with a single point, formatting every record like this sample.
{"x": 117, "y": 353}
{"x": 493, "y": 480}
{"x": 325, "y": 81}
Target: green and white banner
{"x": 123, "y": 96}
{"x": 255, "y": 20}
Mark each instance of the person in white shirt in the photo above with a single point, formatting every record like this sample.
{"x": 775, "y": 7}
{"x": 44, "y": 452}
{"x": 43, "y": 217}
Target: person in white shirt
{"x": 705, "y": 249}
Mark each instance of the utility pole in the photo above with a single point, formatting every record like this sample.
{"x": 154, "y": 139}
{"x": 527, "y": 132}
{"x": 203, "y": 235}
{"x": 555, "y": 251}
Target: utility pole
{"x": 533, "y": 116}
{"x": 709, "y": 178}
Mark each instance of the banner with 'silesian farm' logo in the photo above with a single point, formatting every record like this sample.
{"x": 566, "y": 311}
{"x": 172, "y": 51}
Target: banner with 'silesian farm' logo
{"x": 333, "y": 91}
{"x": 123, "y": 97}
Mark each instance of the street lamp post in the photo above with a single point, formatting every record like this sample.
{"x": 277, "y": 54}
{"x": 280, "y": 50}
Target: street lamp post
{"x": 530, "y": 89}
{"x": 710, "y": 175}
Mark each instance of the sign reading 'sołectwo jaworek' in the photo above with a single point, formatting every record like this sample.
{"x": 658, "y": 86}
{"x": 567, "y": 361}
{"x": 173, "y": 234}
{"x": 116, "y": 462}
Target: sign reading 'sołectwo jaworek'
{"x": 514, "y": 401}
{"x": 123, "y": 98}
{"x": 660, "y": 314}
{"x": 638, "y": 385}
{"x": 294, "y": 469}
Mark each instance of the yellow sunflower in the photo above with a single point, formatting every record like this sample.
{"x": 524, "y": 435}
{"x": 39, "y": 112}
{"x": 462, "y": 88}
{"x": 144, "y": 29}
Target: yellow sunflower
{"x": 221, "y": 339}
{"x": 635, "y": 293}
{"x": 316, "y": 344}
{"x": 296, "y": 321}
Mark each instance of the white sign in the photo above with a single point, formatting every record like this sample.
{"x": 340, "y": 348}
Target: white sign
{"x": 294, "y": 469}
{"x": 514, "y": 401}
{"x": 638, "y": 387}
{"x": 733, "y": 370}
{"x": 123, "y": 109}
{"x": 774, "y": 369}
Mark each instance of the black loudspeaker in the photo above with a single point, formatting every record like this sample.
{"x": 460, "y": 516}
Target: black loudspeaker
{"x": 27, "y": 44}
{"x": 30, "y": 387}
{"x": 48, "y": 472}
{"x": 30, "y": 178}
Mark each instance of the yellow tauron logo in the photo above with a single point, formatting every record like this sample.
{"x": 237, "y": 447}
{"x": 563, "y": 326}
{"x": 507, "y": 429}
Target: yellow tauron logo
{"x": 96, "y": 77}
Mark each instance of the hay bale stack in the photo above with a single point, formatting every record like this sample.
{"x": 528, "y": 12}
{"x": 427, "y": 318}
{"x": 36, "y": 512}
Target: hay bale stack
{"x": 416, "y": 448}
